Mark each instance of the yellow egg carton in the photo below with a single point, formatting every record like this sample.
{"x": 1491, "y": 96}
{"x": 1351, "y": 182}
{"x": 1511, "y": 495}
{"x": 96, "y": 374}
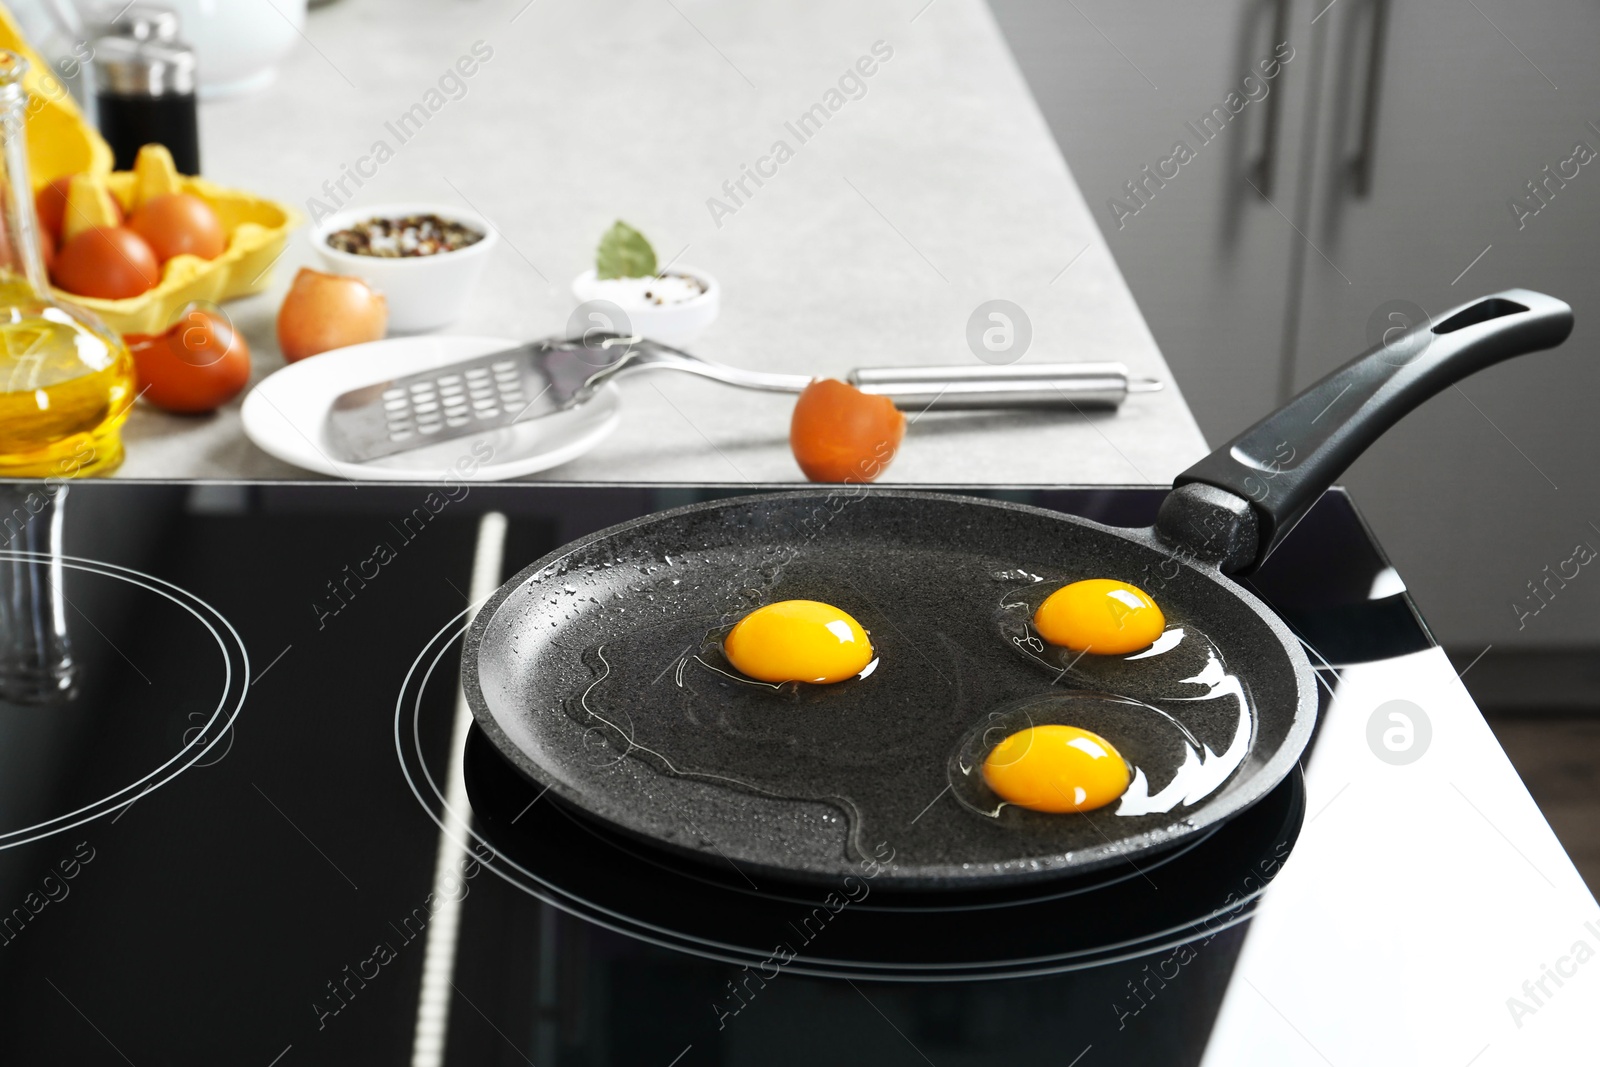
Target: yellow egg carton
{"x": 61, "y": 143}
{"x": 257, "y": 232}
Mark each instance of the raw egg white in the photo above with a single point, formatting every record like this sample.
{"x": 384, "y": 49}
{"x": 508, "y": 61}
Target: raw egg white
{"x": 798, "y": 641}
{"x": 1057, "y": 769}
{"x": 1100, "y": 615}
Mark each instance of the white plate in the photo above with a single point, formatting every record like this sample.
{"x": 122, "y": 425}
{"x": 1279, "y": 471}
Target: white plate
{"x": 287, "y": 416}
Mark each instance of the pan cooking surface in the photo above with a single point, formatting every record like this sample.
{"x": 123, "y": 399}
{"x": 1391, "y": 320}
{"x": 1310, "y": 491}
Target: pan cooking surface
{"x": 599, "y": 672}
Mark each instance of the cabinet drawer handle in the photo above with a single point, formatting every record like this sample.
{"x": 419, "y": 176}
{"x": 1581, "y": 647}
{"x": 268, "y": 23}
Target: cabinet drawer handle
{"x": 1265, "y": 167}
{"x": 1360, "y": 165}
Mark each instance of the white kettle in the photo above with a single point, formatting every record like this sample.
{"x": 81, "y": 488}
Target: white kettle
{"x": 239, "y": 43}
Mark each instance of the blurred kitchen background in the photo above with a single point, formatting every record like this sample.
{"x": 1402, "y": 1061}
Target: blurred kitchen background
{"x": 1405, "y": 158}
{"x": 1349, "y": 166}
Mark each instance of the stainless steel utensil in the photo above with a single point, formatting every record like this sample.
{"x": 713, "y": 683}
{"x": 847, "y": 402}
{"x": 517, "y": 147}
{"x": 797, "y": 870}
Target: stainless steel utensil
{"x": 544, "y": 377}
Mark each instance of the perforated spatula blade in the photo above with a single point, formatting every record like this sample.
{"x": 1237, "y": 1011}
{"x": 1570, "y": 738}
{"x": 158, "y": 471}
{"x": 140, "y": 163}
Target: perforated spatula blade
{"x": 483, "y": 393}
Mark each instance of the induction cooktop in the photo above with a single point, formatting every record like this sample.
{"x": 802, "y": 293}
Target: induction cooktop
{"x": 246, "y": 819}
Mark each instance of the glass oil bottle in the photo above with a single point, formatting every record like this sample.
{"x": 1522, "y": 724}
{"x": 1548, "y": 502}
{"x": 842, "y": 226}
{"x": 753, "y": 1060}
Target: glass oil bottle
{"x": 66, "y": 380}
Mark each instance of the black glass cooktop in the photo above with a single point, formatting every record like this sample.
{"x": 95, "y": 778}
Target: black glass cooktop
{"x": 253, "y": 825}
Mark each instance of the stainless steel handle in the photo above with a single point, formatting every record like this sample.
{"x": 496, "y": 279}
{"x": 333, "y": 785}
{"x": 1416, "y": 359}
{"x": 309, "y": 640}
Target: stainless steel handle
{"x": 1360, "y": 165}
{"x": 1266, "y": 165}
{"x": 1072, "y": 386}
{"x": 640, "y": 354}
{"x": 1018, "y": 385}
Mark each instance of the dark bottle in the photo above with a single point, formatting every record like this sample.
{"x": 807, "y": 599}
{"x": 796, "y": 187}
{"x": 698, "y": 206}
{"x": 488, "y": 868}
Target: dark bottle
{"x": 145, "y": 87}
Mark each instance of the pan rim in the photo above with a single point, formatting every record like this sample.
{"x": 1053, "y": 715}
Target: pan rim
{"x": 933, "y": 877}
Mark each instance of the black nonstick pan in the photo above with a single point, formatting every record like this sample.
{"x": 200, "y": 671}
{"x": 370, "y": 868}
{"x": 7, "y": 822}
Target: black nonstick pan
{"x": 597, "y": 670}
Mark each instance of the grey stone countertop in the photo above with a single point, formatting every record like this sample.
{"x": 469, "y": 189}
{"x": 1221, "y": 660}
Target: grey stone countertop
{"x": 934, "y": 187}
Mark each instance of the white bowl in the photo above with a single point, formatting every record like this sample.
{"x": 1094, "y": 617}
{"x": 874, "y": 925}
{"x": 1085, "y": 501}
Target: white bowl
{"x": 671, "y": 324}
{"x": 238, "y": 45}
{"x": 423, "y": 292}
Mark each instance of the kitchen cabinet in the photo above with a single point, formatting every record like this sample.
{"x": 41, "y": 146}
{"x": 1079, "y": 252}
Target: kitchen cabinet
{"x": 1120, "y": 86}
{"x": 1408, "y": 132}
{"x": 1482, "y": 489}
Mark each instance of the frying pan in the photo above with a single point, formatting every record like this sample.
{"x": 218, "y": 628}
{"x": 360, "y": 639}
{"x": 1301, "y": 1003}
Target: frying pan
{"x": 596, "y": 670}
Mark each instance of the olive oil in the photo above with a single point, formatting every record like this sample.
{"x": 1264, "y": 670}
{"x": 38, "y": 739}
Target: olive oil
{"x": 65, "y": 389}
{"x": 66, "y": 381}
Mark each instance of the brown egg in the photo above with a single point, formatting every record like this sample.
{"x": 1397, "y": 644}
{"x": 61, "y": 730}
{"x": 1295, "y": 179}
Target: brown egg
{"x": 840, "y": 434}
{"x": 109, "y": 262}
{"x": 324, "y": 311}
{"x": 178, "y": 223}
{"x": 50, "y": 202}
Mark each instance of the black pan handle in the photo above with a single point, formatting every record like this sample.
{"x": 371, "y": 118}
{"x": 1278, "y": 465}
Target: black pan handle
{"x": 1272, "y": 473}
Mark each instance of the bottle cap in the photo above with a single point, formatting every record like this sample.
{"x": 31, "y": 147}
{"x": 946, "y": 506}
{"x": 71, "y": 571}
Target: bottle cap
{"x": 146, "y": 22}
{"x": 140, "y": 54}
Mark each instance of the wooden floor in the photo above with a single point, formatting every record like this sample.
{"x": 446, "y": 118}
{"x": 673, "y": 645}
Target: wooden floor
{"x": 1559, "y": 761}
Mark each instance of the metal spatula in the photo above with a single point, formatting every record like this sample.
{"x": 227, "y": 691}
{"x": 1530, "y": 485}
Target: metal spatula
{"x": 543, "y": 377}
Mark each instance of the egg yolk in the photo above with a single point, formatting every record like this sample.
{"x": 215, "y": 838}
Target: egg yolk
{"x": 798, "y": 641}
{"x": 1056, "y": 768}
{"x": 1100, "y": 615}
